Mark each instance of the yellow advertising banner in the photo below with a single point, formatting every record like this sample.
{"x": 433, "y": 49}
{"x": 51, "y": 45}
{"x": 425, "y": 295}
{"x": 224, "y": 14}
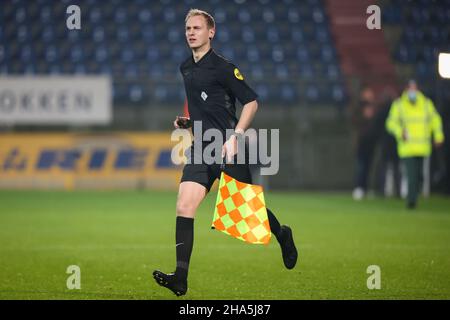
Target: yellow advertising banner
{"x": 87, "y": 161}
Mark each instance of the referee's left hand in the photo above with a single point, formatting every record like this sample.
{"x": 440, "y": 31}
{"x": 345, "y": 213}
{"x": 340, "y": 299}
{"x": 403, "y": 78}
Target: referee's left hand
{"x": 230, "y": 148}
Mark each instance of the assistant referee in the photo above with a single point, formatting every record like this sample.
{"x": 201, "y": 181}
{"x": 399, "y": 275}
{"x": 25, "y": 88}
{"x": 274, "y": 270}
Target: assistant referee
{"x": 212, "y": 86}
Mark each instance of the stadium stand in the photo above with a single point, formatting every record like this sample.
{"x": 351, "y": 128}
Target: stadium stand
{"x": 284, "y": 47}
{"x": 422, "y": 30}
{"x": 364, "y": 55}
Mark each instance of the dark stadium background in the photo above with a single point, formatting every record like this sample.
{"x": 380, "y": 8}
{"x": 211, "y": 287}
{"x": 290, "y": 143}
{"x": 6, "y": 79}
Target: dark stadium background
{"x": 309, "y": 61}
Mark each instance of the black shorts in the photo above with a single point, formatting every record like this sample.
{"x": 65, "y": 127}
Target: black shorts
{"x": 205, "y": 174}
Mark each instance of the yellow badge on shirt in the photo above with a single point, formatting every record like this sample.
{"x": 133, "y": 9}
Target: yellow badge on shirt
{"x": 238, "y": 74}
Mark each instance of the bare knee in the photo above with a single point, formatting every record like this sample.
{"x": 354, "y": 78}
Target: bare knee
{"x": 185, "y": 209}
{"x": 190, "y": 195}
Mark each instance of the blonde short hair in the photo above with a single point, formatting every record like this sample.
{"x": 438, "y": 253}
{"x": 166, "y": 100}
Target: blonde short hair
{"x": 197, "y": 12}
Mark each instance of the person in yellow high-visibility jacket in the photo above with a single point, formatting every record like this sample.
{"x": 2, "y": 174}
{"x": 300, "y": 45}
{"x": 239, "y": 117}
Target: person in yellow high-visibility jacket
{"x": 414, "y": 122}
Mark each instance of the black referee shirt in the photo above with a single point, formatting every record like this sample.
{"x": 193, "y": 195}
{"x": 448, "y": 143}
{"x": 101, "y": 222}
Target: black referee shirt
{"x": 212, "y": 86}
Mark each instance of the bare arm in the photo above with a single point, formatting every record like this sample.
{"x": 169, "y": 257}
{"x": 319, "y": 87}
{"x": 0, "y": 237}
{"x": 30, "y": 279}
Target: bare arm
{"x": 230, "y": 147}
{"x": 247, "y": 115}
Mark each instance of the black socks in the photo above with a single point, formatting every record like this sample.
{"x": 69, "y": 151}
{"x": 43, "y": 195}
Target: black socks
{"x": 184, "y": 237}
{"x": 274, "y": 225}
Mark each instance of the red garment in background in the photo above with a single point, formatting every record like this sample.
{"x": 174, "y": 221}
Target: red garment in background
{"x": 186, "y": 109}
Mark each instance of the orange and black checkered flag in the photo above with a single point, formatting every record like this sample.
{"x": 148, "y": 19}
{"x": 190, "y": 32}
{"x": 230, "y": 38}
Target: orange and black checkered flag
{"x": 241, "y": 211}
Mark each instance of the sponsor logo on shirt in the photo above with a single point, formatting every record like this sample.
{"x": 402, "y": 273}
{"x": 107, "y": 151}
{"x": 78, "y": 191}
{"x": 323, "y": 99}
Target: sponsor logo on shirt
{"x": 238, "y": 74}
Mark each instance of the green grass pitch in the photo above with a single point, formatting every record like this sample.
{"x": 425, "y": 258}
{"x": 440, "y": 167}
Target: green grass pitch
{"x": 118, "y": 238}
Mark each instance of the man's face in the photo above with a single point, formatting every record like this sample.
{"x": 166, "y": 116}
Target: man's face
{"x": 412, "y": 92}
{"x": 197, "y": 32}
{"x": 412, "y": 87}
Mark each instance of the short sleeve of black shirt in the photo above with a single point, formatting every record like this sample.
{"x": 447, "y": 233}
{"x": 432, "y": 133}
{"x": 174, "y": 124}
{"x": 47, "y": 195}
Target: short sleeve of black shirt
{"x": 231, "y": 78}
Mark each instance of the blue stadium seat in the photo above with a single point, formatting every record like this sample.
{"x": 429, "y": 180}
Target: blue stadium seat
{"x": 26, "y": 54}
{"x": 179, "y": 54}
{"x": 170, "y": 15}
{"x": 101, "y": 54}
{"x": 338, "y": 94}
{"x": 322, "y": 35}
{"x": 312, "y": 93}
{"x": 318, "y": 15}
{"x": 332, "y": 72}
{"x": 46, "y": 15}
{"x": 293, "y": 16}
{"x": 306, "y": 72}
{"x": 168, "y": 94}
{"x": 220, "y": 15}
{"x": 430, "y": 54}
{"x": 278, "y": 54}
{"x": 145, "y": 16}
{"x": 51, "y": 54}
{"x": 175, "y": 35}
{"x": 229, "y": 53}
{"x": 327, "y": 54}
{"x": 303, "y": 55}
{"x": 95, "y": 15}
{"x": 156, "y": 72}
{"x": 137, "y": 93}
{"x": 257, "y": 73}
{"x": 273, "y": 35}
{"x": 248, "y": 35}
{"x": 223, "y": 36}
{"x": 282, "y": 72}
{"x": 268, "y": 15}
{"x": 297, "y": 35}
{"x": 262, "y": 90}
{"x": 391, "y": 14}
{"x": 253, "y": 55}
{"x": 406, "y": 54}
{"x": 288, "y": 93}
{"x": 244, "y": 16}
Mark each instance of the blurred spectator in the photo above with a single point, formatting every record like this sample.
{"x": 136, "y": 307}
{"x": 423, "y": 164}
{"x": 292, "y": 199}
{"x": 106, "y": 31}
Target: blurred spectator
{"x": 387, "y": 173}
{"x": 413, "y": 120}
{"x": 363, "y": 119}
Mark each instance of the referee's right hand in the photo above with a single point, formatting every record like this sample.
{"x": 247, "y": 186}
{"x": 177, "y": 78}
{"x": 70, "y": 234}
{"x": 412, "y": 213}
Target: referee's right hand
{"x": 182, "y": 123}
{"x": 175, "y": 123}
